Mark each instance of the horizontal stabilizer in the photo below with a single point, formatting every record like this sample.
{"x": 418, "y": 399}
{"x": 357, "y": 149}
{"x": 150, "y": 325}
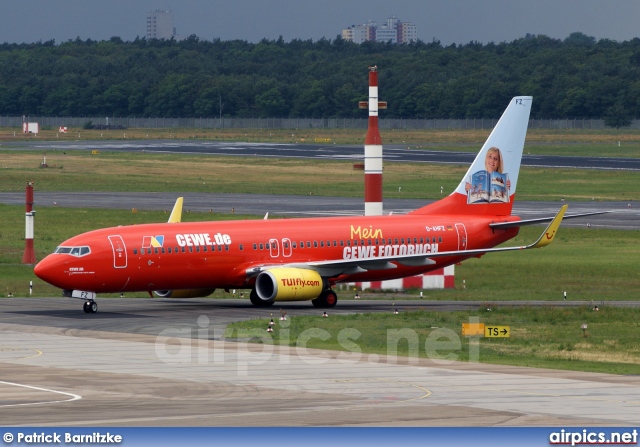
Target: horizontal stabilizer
{"x": 522, "y": 223}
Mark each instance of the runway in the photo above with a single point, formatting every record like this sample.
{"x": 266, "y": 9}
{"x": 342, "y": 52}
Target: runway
{"x": 392, "y": 152}
{"x": 125, "y": 366}
{"x": 622, "y": 216}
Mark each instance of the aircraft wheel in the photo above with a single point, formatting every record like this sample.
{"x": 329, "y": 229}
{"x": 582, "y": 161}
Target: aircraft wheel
{"x": 94, "y": 307}
{"x": 256, "y": 301}
{"x": 331, "y": 298}
{"x": 87, "y": 307}
{"x": 327, "y": 299}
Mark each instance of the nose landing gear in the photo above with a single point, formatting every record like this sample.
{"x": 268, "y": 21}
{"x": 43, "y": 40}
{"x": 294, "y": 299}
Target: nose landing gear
{"x": 90, "y": 307}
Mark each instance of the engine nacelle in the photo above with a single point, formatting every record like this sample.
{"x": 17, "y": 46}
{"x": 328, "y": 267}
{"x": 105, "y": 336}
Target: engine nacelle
{"x": 289, "y": 284}
{"x": 184, "y": 293}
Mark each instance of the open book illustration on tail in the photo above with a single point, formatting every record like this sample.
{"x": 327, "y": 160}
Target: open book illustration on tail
{"x": 488, "y": 187}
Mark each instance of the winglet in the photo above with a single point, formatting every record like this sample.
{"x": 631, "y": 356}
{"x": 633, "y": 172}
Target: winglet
{"x": 176, "y": 213}
{"x": 549, "y": 234}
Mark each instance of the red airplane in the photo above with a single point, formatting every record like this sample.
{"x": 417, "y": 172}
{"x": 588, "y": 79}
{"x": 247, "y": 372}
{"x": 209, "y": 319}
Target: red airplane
{"x": 302, "y": 259}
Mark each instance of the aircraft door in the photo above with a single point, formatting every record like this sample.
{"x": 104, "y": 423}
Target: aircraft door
{"x": 286, "y": 247}
{"x": 119, "y": 252}
{"x": 462, "y": 236}
{"x": 274, "y": 248}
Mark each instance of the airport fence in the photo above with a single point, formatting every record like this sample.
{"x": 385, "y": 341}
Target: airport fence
{"x": 292, "y": 123}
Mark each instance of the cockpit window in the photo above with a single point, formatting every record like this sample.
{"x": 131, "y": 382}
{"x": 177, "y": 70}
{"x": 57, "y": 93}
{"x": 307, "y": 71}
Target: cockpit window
{"x": 73, "y": 251}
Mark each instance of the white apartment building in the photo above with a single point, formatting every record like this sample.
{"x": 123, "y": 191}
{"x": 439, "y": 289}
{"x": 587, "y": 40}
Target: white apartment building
{"x": 160, "y": 25}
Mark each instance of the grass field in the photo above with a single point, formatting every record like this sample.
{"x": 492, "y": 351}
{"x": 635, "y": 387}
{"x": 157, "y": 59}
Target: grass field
{"x": 140, "y": 172}
{"x": 540, "y": 337}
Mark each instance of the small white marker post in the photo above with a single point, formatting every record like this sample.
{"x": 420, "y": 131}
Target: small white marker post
{"x": 30, "y": 288}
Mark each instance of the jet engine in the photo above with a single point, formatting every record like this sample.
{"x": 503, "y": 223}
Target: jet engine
{"x": 289, "y": 284}
{"x": 184, "y": 293}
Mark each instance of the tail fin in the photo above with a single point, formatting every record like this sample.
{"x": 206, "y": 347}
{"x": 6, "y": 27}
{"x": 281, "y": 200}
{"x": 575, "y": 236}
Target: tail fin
{"x": 489, "y": 186}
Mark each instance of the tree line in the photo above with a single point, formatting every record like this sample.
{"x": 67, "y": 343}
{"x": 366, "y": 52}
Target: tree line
{"x": 577, "y": 77}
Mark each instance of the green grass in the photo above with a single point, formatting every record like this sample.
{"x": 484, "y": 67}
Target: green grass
{"x": 144, "y": 172}
{"x": 541, "y": 337}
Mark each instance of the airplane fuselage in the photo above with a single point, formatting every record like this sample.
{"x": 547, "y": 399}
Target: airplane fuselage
{"x": 203, "y": 255}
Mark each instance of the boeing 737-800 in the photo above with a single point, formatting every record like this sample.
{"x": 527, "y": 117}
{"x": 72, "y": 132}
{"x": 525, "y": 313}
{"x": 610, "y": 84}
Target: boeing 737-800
{"x": 302, "y": 259}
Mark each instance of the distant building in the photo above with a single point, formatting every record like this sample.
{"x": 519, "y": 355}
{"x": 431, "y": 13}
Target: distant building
{"x": 392, "y": 30}
{"x": 360, "y": 33}
{"x": 160, "y": 25}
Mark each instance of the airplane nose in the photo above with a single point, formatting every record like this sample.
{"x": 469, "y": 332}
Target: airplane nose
{"x": 47, "y": 270}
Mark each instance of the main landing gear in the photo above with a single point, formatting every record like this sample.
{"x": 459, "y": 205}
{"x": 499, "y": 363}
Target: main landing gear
{"x": 327, "y": 299}
{"x": 90, "y": 307}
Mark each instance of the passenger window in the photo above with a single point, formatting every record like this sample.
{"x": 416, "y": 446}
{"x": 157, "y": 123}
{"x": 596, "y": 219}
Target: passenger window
{"x": 341, "y": 243}
{"x": 205, "y": 249}
{"x": 402, "y": 240}
{"x": 335, "y": 243}
{"x": 355, "y": 242}
{"x": 255, "y": 246}
{"x": 368, "y": 241}
{"x": 183, "y": 250}
{"x": 198, "y": 249}
{"x": 135, "y": 251}
{"x": 348, "y": 243}
{"x": 439, "y": 239}
{"x": 226, "y": 248}
{"x": 241, "y": 247}
{"x": 322, "y": 243}
{"x": 315, "y": 244}
{"x": 308, "y": 244}
{"x": 190, "y": 249}
{"x": 293, "y": 244}
{"x": 261, "y": 246}
{"x": 422, "y": 240}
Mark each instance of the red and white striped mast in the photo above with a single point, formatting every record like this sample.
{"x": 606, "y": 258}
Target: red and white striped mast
{"x": 29, "y": 256}
{"x": 373, "y": 150}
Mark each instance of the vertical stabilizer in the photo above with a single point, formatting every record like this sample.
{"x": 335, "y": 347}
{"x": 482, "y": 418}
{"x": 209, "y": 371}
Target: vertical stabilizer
{"x": 489, "y": 186}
